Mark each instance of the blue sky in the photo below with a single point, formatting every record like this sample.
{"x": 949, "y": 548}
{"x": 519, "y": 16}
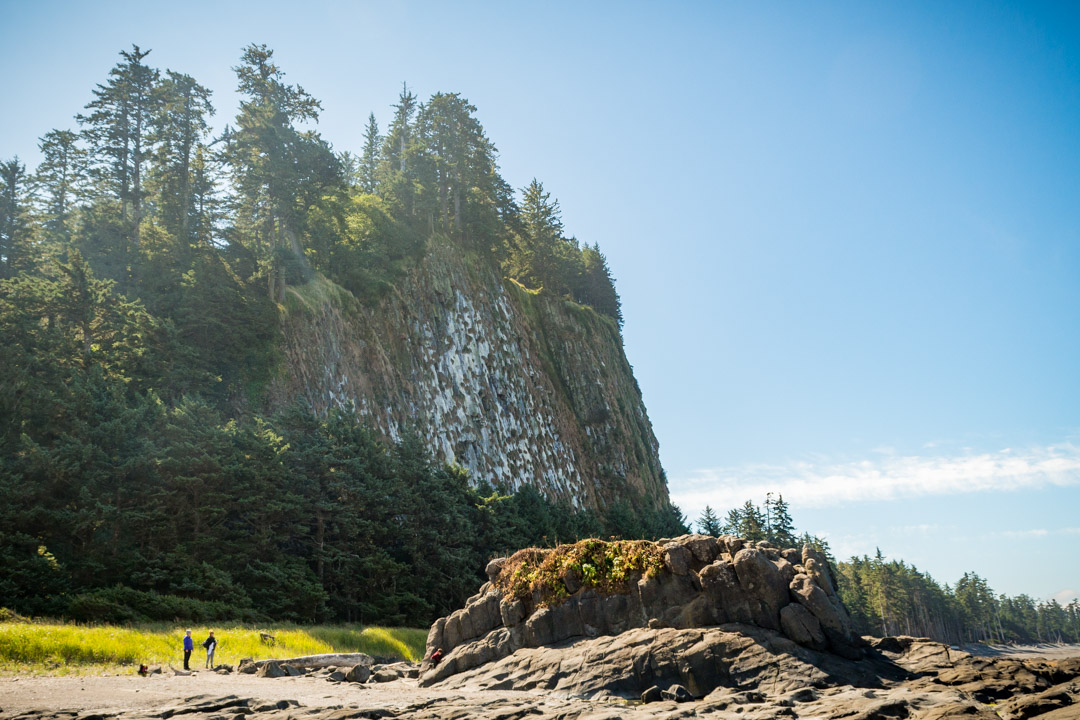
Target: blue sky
{"x": 846, "y": 235}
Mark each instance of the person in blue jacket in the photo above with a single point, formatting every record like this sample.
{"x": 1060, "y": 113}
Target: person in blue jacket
{"x": 189, "y": 645}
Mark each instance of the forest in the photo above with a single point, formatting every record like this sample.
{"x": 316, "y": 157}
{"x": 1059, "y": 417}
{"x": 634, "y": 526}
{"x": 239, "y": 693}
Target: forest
{"x": 142, "y": 263}
{"x": 142, "y": 267}
{"x": 890, "y": 597}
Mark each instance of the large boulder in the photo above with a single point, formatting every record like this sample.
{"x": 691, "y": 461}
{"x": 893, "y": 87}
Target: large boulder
{"x": 831, "y": 614}
{"x": 358, "y": 673}
{"x": 764, "y": 586}
{"x": 729, "y": 601}
{"x": 271, "y": 669}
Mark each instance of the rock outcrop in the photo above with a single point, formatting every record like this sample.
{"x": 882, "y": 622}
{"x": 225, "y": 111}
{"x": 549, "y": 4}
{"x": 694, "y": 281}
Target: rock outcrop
{"x": 519, "y": 387}
{"x": 686, "y": 584}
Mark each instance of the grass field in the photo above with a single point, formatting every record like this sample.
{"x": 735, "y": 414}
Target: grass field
{"x": 63, "y": 648}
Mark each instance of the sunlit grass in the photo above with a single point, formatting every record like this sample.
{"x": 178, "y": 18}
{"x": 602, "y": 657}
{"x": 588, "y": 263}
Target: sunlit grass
{"x": 64, "y": 648}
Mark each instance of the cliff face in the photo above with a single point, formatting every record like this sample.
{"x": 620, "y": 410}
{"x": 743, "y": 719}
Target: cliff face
{"x": 518, "y": 387}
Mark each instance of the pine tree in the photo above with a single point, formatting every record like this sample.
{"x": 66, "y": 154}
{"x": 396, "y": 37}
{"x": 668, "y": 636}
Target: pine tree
{"x": 598, "y": 287}
{"x": 60, "y": 180}
{"x": 456, "y": 161}
{"x": 536, "y": 261}
{"x": 179, "y": 127}
{"x": 708, "y": 523}
{"x": 733, "y": 522}
{"x": 117, "y": 130}
{"x": 752, "y": 525}
{"x": 369, "y": 159}
{"x": 278, "y": 171}
{"x": 15, "y": 228}
{"x": 396, "y": 177}
{"x": 781, "y": 527}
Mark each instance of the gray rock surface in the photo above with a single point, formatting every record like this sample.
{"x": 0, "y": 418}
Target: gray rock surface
{"x": 765, "y": 676}
{"x": 702, "y": 582}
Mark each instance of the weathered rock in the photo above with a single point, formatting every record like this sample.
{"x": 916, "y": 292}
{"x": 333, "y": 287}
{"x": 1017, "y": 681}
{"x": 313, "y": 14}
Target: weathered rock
{"x": 539, "y": 629}
{"x": 247, "y": 666}
{"x": 677, "y": 559}
{"x": 571, "y": 580}
{"x": 833, "y": 618}
{"x": 765, "y": 589}
{"x": 729, "y": 600}
{"x": 358, "y": 674}
{"x": 383, "y": 675}
{"x": 786, "y": 570}
{"x": 704, "y": 548}
{"x": 512, "y": 612}
{"x": 817, "y": 567}
{"x": 435, "y": 637}
{"x": 271, "y": 669}
{"x": 677, "y": 693}
{"x": 452, "y": 636}
{"x": 800, "y": 625}
{"x": 732, "y": 544}
{"x": 494, "y": 568}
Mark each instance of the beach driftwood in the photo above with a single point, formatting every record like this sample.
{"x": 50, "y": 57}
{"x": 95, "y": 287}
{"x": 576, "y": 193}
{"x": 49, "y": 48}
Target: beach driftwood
{"x": 315, "y": 662}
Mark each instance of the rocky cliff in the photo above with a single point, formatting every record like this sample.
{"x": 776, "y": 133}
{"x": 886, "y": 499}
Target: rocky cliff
{"x": 517, "y": 386}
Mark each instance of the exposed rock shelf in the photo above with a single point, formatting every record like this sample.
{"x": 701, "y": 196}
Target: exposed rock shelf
{"x": 701, "y": 582}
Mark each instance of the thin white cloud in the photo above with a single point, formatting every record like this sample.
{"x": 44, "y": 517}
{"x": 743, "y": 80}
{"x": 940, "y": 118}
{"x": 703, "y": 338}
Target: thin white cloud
{"x": 819, "y": 483}
{"x": 1038, "y": 532}
{"x": 1064, "y": 597}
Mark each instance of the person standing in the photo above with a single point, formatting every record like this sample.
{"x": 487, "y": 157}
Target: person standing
{"x": 189, "y": 645}
{"x": 210, "y": 644}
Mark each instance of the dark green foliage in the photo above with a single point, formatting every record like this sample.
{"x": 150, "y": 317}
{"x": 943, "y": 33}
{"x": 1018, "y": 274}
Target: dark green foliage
{"x": 709, "y": 524}
{"x": 15, "y": 250}
{"x": 543, "y": 258}
{"x": 60, "y": 181}
{"x": 122, "y": 604}
{"x": 142, "y": 267}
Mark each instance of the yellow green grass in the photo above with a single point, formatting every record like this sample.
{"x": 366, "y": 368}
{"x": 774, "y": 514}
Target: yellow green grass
{"x": 63, "y": 648}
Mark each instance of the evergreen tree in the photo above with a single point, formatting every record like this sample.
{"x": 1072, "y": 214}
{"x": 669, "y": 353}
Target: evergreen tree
{"x": 396, "y": 177}
{"x": 369, "y": 159}
{"x": 179, "y": 127}
{"x": 753, "y": 522}
{"x": 709, "y": 524}
{"x": 117, "y": 130}
{"x": 60, "y": 180}
{"x": 536, "y": 262}
{"x": 278, "y": 170}
{"x": 597, "y": 287}
{"x": 15, "y": 228}
{"x": 781, "y": 527}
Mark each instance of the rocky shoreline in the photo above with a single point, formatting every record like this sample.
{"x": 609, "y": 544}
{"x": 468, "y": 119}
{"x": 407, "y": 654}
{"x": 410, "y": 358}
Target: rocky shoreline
{"x": 694, "y": 626}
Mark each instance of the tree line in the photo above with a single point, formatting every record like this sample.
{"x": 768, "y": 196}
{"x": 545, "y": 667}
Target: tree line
{"x": 142, "y": 188}
{"x": 142, "y": 264}
{"x": 890, "y": 597}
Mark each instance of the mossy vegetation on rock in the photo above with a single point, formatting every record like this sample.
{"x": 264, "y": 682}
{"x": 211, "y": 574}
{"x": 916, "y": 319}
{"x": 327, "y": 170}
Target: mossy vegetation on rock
{"x": 594, "y": 588}
{"x": 552, "y": 575}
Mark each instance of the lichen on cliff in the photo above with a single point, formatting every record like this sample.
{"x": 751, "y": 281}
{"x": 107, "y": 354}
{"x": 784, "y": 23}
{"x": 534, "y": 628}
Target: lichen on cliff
{"x": 519, "y": 387}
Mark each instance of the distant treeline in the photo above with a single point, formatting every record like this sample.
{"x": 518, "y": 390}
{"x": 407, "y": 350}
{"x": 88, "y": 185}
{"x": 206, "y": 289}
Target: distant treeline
{"x": 142, "y": 267}
{"x": 890, "y": 597}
